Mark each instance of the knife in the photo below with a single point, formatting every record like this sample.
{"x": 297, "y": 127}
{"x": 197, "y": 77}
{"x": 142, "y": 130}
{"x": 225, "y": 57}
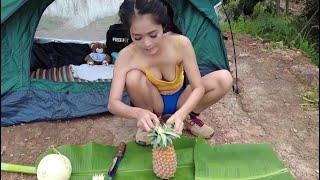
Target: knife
{"x": 116, "y": 160}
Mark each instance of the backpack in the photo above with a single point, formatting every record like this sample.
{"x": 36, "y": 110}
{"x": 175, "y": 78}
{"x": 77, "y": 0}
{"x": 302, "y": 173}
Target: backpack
{"x": 117, "y": 38}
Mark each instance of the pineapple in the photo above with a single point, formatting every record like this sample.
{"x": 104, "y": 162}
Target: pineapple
{"x": 163, "y": 154}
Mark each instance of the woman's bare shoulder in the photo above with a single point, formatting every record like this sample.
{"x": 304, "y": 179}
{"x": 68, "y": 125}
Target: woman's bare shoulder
{"x": 126, "y": 52}
{"x": 179, "y": 39}
{"x": 127, "y": 58}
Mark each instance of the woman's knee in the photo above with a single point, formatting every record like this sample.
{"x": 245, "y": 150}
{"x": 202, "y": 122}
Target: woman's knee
{"x": 135, "y": 78}
{"x": 225, "y": 80}
{"x": 219, "y": 80}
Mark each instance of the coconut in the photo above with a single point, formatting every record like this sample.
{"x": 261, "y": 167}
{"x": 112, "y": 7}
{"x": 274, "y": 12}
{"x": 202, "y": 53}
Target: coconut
{"x": 54, "y": 167}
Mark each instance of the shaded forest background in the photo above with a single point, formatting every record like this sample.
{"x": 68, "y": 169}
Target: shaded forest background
{"x": 291, "y": 23}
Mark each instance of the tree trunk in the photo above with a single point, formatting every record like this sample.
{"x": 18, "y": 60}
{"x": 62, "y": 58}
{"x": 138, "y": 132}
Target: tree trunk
{"x": 278, "y": 6}
{"x": 287, "y": 6}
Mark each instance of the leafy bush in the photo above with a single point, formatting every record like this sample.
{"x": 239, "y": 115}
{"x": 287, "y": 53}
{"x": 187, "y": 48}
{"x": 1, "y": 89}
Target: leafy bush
{"x": 237, "y": 8}
{"x": 264, "y": 7}
{"x": 231, "y": 8}
{"x": 312, "y": 29}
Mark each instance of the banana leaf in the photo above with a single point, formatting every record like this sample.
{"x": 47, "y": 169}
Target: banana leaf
{"x": 195, "y": 157}
{"x": 93, "y": 158}
{"x": 238, "y": 161}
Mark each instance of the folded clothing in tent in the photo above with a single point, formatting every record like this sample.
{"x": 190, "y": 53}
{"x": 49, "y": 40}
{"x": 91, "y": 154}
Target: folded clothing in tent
{"x": 92, "y": 72}
{"x": 75, "y": 73}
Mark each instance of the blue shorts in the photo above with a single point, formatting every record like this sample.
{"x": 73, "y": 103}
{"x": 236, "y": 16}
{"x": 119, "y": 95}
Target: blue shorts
{"x": 170, "y": 102}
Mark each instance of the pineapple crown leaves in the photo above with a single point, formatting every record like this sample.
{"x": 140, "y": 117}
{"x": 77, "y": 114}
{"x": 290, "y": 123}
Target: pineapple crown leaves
{"x": 163, "y": 136}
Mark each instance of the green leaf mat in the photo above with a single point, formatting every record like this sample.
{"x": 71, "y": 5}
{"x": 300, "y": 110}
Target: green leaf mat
{"x": 196, "y": 160}
{"x": 238, "y": 161}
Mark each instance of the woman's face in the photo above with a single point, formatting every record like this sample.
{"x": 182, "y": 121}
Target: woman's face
{"x": 146, "y": 34}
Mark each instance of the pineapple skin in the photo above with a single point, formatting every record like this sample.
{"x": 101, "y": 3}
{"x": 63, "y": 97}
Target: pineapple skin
{"x": 164, "y": 162}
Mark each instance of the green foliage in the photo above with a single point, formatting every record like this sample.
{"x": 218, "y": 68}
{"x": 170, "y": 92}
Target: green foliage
{"x": 237, "y": 8}
{"x": 310, "y": 20}
{"x": 276, "y": 28}
{"x": 92, "y": 158}
{"x": 311, "y": 98}
{"x": 264, "y": 7}
{"x": 196, "y": 159}
{"x": 309, "y": 49}
{"x": 231, "y": 8}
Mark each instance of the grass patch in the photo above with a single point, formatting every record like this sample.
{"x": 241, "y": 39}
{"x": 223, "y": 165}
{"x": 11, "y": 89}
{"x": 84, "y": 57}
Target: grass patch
{"x": 311, "y": 99}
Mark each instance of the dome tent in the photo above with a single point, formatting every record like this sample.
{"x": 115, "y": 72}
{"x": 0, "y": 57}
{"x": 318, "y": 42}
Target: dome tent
{"x": 24, "y": 99}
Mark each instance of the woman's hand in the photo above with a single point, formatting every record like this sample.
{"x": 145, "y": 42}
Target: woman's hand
{"x": 177, "y": 119}
{"x": 147, "y": 120}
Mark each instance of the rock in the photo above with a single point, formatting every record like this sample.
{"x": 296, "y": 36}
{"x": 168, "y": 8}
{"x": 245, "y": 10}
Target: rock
{"x": 243, "y": 55}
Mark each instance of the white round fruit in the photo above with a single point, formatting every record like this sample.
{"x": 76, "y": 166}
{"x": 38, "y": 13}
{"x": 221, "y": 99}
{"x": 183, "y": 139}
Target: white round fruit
{"x": 54, "y": 167}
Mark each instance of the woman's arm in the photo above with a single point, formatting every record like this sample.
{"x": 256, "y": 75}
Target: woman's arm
{"x": 146, "y": 119}
{"x": 115, "y": 104}
{"x": 192, "y": 71}
{"x": 191, "y": 68}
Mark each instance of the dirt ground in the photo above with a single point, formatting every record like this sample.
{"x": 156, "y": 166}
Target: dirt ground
{"x": 267, "y": 110}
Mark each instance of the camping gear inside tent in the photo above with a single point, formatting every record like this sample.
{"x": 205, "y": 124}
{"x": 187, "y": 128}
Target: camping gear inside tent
{"x": 25, "y": 98}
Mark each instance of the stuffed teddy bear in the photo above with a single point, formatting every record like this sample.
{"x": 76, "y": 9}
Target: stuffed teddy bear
{"x": 98, "y": 55}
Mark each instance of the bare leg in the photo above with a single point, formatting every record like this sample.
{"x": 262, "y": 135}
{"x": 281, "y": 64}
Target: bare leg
{"x": 142, "y": 93}
{"x": 216, "y": 85}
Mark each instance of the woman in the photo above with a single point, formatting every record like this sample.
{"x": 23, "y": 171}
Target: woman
{"x": 152, "y": 70}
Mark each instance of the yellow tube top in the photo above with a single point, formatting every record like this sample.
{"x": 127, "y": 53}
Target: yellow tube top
{"x": 161, "y": 85}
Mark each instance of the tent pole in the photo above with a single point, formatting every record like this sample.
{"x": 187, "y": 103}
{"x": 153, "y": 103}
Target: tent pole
{"x": 235, "y": 86}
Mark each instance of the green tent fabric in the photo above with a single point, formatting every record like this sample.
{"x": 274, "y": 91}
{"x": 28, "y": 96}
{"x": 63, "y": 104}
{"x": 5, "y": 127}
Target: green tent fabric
{"x": 25, "y": 100}
{"x": 196, "y": 159}
{"x": 18, "y": 25}
{"x": 198, "y": 20}
{"x": 9, "y": 7}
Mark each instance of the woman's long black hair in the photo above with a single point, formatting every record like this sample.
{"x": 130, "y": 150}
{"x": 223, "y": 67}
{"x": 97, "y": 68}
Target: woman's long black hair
{"x": 160, "y": 10}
